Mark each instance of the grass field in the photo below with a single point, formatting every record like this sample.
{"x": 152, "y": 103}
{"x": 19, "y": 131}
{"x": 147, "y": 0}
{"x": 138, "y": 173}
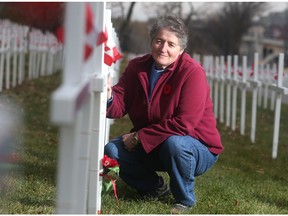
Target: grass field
{"x": 245, "y": 180}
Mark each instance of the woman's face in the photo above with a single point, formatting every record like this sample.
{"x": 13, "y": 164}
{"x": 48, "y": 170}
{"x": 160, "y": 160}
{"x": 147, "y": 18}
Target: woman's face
{"x": 165, "y": 48}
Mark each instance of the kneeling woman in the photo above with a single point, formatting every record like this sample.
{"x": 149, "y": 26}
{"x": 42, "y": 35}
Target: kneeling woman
{"x": 167, "y": 98}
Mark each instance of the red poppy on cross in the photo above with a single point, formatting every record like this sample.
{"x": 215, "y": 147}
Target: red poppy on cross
{"x": 93, "y": 35}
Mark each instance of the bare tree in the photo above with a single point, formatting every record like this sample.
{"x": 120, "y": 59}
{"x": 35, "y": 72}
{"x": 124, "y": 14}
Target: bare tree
{"x": 190, "y": 14}
{"x": 184, "y": 10}
{"x": 227, "y": 27}
{"x": 169, "y": 8}
{"x": 124, "y": 30}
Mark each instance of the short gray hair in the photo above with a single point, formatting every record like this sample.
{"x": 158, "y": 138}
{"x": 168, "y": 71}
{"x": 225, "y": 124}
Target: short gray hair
{"x": 174, "y": 24}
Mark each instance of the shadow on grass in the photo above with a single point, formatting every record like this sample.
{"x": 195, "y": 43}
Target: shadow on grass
{"x": 36, "y": 201}
{"x": 271, "y": 200}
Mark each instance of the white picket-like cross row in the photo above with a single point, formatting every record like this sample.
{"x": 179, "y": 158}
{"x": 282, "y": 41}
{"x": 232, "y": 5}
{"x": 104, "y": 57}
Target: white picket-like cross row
{"x": 44, "y": 54}
{"x": 261, "y": 84}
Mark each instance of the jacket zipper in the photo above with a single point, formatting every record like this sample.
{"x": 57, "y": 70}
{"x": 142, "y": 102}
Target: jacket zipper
{"x": 158, "y": 83}
{"x": 149, "y": 110}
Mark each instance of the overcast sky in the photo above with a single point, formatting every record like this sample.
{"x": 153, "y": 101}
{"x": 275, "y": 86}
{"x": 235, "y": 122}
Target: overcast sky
{"x": 140, "y": 14}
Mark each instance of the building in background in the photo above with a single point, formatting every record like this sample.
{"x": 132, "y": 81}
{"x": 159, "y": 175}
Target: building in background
{"x": 268, "y": 37}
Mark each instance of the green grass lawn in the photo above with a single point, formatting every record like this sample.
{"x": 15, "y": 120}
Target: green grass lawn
{"x": 245, "y": 180}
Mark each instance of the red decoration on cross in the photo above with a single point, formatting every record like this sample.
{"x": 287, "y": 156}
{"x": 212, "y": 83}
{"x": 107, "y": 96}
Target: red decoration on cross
{"x": 225, "y": 68}
{"x": 93, "y": 36}
{"x": 111, "y": 54}
{"x": 252, "y": 71}
{"x": 240, "y": 73}
{"x": 276, "y": 75}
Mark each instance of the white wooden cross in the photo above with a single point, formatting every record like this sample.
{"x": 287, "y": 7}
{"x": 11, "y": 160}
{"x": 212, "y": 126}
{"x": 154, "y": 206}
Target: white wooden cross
{"x": 234, "y": 96}
{"x": 43, "y": 53}
{"x": 22, "y": 49}
{"x": 54, "y": 54}
{"x": 98, "y": 122}
{"x": 8, "y": 57}
{"x": 261, "y": 77}
{"x": 254, "y": 83}
{"x": 243, "y": 84}
{"x": 222, "y": 86}
{"x": 79, "y": 108}
{"x": 267, "y": 82}
{"x": 2, "y": 55}
{"x": 280, "y": 90}
{"x": 32, "y": 54}
{"x": 209, "y": 68}
{"x": 228, "y": 93}
{"x": 15, "y": 52}
{"x": 216, "y": 85}
{"x": 273, "y": 93}
{"x": 66, "y": 111}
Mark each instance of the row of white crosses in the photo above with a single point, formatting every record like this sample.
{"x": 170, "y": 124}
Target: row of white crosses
{"x": 12, "y": 50}
{"x": 243, "y": 78}
{"x": 44, "y": 53}
{"x": 78, "y": 107}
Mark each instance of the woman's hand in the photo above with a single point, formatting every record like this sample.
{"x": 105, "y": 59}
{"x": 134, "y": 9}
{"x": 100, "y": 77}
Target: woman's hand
{"x": 130, "y": 141}
{"x": 109, "y": 87}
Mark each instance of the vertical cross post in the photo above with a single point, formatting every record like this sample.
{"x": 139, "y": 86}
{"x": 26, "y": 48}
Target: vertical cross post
{"x": 210, "y": 73}
{"x": 99, "y": 103}
{"x": 273, "y": 93}
{"x": 2, "y": 56}
{"x": 216, "y": 84}
{"x": 228, "y": 88}
{"x": 255, "y": 84}
{"x": 222, "y": 86}
{"x": 280, "y": 90}
{"x": 8, "y": 58}
{"x": 243, "y": 84}
{"x": 234, "y": 97}
{"x": 261, "y": 78}
{"x": 267, "y": 82}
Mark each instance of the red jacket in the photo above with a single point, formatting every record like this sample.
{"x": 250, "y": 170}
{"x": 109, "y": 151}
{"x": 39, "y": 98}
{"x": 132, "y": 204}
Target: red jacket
{"x": 179, "y": 105}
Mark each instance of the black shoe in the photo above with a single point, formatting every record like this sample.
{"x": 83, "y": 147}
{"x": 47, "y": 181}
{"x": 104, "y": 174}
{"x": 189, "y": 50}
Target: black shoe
{"x": 159, "y": 192}
{"x": 180, "y": 209}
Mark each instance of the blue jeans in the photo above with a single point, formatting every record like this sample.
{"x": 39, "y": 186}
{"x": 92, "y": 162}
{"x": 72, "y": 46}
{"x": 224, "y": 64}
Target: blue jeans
{"x": 182, "y": 157}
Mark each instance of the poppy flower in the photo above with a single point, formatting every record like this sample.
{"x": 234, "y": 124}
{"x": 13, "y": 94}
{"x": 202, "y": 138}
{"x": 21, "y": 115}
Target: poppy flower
{"x": 109, "y": 162}
{"x": 167, "y": 89}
